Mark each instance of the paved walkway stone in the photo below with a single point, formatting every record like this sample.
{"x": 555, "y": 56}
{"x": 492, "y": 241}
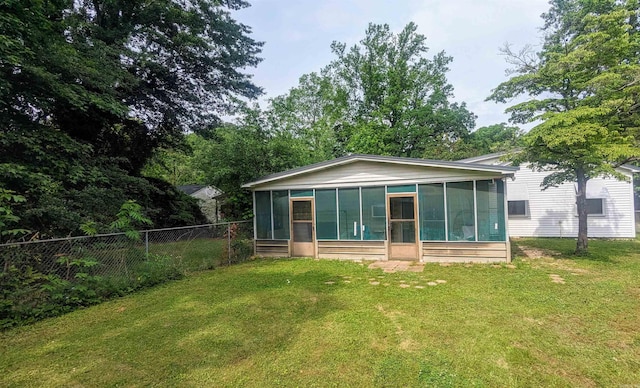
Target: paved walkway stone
{"x": 397, "y": 266}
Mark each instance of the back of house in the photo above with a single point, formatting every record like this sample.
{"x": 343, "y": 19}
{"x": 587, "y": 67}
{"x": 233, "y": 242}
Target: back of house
{"x": 533, "y": 212}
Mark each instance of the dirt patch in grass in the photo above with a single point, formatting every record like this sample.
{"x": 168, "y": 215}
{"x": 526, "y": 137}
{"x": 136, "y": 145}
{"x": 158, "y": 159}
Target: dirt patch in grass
{"x": 537, "y": 253}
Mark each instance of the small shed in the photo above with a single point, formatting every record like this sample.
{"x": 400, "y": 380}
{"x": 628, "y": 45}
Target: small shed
{"x": 384, "y": 208}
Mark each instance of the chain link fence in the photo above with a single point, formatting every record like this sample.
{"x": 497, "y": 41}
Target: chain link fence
{"x": 192, "y": 248}
{"x": 50, "y": 277}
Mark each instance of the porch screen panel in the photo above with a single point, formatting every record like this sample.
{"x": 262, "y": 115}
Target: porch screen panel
{"x": 349, "y": 214}
{"x": 280, "y": 215}
{"x": 490, "y": 202}
{"x": 263, "y": 215}
{"x": 326, "y": 215}
{"x": 460, "y": 211}
{"x": 432, "y": 224}
{"x": 374, "y": 214}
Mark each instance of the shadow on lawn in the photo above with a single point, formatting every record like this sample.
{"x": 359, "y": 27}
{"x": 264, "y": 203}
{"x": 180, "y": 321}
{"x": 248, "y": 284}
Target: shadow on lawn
{"x": 600, "y": 250}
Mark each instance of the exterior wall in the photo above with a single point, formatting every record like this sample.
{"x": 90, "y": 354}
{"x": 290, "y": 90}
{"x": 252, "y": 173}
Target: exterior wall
{"x": 552, "y": 212}
{"x": 363, "y": 250}
{"x": 364, "y": 174}
{"x": 367, "y": 174}
{"x": 465, "y": 252}
{"x": 272, "y": 248}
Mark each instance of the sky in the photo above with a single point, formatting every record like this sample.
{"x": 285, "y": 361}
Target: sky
{"x": 297, "y": 35}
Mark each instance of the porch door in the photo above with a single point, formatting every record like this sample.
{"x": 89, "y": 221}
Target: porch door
{"x": 403, "y": 241}
{"x": 302, "y": 228}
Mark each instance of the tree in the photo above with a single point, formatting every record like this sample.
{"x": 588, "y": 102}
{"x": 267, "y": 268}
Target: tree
{"x": 178, "y": 166}
{"x": 585, "y": 87}
{"x": 489, "y": 139}
{"x": 239, "y": 153}
{"x": 310, "y": 112}
{"x": 90, "y": 89}
{"x": 381, "y": 96}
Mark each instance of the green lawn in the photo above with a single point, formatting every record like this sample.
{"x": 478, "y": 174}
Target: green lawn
{"x": 322, "y": 323}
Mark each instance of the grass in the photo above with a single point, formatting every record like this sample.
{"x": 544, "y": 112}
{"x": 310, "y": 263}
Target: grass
{"x": 305, "y": 322}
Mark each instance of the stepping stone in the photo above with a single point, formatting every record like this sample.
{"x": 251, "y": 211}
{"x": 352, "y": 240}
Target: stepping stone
{"x": 432, "y": 284}
{"x": 347, "y": 281}
{"x": 556, "y": 278}
{"x": 403, "y": 285}
{"x": 329, "y": 282}
{"x": 381, "y": 277}
{"x": 386, "y": 284}
{"x": 419, "y": 287}
{"x": 440, "y": 281}
{"x": 374, "y": 283}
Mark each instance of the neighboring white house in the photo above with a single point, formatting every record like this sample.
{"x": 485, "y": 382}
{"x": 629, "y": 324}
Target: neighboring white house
{"x": 209, "y": 199}
{"x": 533, "y": 212}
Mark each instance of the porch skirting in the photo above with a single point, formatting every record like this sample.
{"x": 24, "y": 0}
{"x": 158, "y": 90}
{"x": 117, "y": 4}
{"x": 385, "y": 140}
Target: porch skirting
{"x": 430, "y": 252}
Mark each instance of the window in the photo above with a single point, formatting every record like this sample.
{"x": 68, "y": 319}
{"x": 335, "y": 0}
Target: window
{"x": 263, "y": 214}
{"x": 349, "y": 214}
{"x": 460, "y": 211}
{"x": 280, "y": 215}
{"x": 518, "y": 208}
{"x": 490, "y": 203}
{"x": 326, "y": 215}
{"x": 595, "y": 206}
{"x": 432, "y": 224}
{"x": 374, "y": 213}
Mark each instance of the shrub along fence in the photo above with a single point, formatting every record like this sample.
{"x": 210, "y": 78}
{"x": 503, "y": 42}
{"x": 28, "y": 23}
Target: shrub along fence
{"x": 50, "y": 277}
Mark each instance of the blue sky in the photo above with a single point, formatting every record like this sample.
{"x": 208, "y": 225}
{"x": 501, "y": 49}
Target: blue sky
{"x": 298, "y": 34}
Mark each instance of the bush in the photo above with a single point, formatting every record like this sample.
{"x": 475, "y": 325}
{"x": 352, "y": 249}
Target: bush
{"x": 29, "y": 295}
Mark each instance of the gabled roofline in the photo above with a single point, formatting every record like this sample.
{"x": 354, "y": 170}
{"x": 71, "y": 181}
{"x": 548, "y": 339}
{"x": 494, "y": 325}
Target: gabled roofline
{"x": 481, "y": 158}
{"x": 508, "y": 170}
{"x": 631, "y": 167}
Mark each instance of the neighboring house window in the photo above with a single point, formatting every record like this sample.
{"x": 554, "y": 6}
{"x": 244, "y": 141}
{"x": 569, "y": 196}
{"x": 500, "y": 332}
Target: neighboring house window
{"x": 518, "y": 208}
{"x": 595, "y": 206}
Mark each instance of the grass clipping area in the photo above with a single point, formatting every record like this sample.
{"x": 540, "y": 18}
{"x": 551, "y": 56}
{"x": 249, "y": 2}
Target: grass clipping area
{"x": 310, "y": 323}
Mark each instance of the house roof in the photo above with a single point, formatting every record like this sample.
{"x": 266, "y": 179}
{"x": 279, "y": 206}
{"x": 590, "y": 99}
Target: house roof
{"x": 193, "y": 190}
{"x": 381, "y": 159}
{"x": 190, "y": 189}
{"x": 482, "y": 158}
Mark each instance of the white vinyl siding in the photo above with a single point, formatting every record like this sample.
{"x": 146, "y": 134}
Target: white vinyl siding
{"x": 552, "y": 212}
{"x": 367, "y": 173}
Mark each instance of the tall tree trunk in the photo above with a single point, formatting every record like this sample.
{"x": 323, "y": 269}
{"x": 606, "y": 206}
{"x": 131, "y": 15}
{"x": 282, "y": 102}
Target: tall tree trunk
{"x": 581, "y": 202}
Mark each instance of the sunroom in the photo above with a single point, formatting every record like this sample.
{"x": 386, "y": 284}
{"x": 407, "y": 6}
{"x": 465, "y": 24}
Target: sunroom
{"x": 384, "y": 208}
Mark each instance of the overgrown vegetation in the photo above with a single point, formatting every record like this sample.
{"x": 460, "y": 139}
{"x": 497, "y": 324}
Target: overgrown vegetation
{"x": 304, "y": 322}
{"x": 52, "y": 278}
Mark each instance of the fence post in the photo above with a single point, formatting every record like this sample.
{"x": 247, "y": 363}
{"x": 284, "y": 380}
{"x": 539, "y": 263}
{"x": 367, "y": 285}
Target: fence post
{"x": 229, "y": 242}
{"x": 146, "y": 244}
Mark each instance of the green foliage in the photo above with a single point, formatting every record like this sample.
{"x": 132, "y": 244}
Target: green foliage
{"x": 128, "y": 219}
{"x": 7, "y": 217}
{"x": 297, "y": 322}
{"x": 90, "y": 89}
{"x": 178, "y": 166}
{"x": 381, "y": 96}
{"x": 584, "y": 86}
{"x": 490, "y": 139}
{"x": 28, "y": 295}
